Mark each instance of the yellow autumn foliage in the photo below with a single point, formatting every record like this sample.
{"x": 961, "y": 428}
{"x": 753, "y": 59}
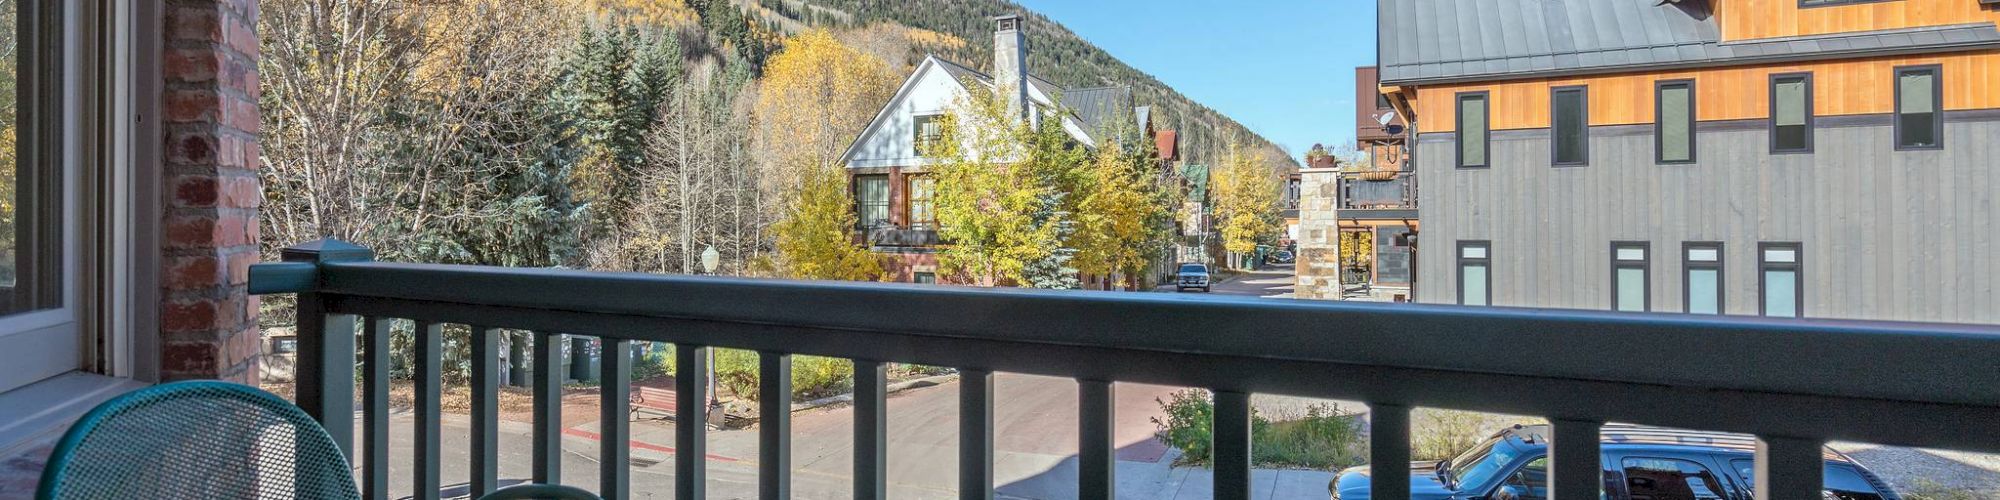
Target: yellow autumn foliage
{"x": 817, "y": 94}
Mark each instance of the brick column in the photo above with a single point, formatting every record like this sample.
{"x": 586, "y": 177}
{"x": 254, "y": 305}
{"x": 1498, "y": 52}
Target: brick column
{"x": 209, "y": 124}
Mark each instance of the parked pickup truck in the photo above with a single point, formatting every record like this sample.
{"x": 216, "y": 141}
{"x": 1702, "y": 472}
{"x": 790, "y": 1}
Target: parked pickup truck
{"x": 1639, "y": 462}
{"x": 1191, "y": 276}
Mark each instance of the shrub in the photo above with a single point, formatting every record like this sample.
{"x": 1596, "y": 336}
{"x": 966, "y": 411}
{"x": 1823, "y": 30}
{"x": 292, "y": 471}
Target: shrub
{"x": 1438, "y": 434}
{"x": 812, "y": 376}
{"x": 1324, "y": 438}
{"x": 1928, "y": 489}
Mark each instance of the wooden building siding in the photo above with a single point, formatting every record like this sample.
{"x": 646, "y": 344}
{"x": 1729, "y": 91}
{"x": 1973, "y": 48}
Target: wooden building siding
{"x": 1886, "y": 234}
{"x": 1852, "y": 87}
{"x": 1752, "y": 19}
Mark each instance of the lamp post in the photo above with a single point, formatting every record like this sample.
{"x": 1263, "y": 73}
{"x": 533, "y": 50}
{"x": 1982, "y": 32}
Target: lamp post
{"x": 710, "y": 259}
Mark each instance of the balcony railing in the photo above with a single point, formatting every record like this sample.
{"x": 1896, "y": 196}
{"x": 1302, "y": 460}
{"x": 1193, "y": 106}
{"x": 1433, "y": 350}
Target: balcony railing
{"x": 1793, "y": 383}
{"x": 1371, "y": 191}
{"x": 891, "y": 236}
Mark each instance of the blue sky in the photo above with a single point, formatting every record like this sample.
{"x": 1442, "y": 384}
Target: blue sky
{"x": 1285, "y": 68}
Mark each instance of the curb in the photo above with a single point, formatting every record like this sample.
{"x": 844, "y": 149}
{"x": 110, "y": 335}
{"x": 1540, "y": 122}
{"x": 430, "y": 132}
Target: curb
{"x": 893, "y": 388}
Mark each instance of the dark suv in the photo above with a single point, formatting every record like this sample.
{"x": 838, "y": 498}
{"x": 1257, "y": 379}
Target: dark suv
{"x": 1639, "y": 463}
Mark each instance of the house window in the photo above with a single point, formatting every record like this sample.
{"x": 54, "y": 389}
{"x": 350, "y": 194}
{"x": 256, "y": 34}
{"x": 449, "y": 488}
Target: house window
{"x": 1701, "y": 265}
{"x": 1779, "y": 285}
{"x": 39, "y": 337}
{"x": 1472, "y": 130}
{"x": 1791, "y": 113}
{"x": 923, "y": 207}
{"x": 923, "y": 277}
{"x": 928, "y": 130}
{"x": 1673, "y": 105}
{"x": 1381, "y": 100}
{"x": 1630, "y": 276}
{"x": 1919, "y": 116}
{"x": 871, "y": 200}
{"x": 1569, "y": 126}
{"x": 1392, "y": 255}
{"x": 1475, "y": 287}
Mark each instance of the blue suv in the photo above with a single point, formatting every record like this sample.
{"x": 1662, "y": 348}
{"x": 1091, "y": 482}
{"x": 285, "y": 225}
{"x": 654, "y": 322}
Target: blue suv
{"x": 1640, "y": 463}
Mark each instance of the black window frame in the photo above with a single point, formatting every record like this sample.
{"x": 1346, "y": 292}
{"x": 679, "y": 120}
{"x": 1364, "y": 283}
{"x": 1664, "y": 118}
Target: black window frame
{"x": 1937, "y": 114}
{"x": 1645, "y": 267}
{"x": 1660, "y": 125}
{"x": 1486, "y": 262}
{"x": 1796, "y": 266}
{"x": 1555, "y": 135}
{"x": 1486, "y": 128}
{"x": 1811, "y": 118}
{"x": 1689, "y": 265}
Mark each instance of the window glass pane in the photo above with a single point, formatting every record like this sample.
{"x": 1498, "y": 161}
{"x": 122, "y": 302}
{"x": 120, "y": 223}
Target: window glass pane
{"x": 1473, "y": 286}
{"x": 1572, "y": 132}
{"x": 1676, "y": 124}
{"x": 1781, "y": 293}
{"x": 1704, "y": 291}
{"x": 1916, "y": 92}
{"x": 1472, "y": 131}
{"x": 1472, "y": 252}
{"x": 1781, "y": 255}
{"x": 1631, "y": 289}
{"x": 1665, "y": 479}
{"x": 1917, "y": 130}
{"x": 30, "y": 222}
{"x": 1632, "y": 253}
{"x": 922, "y": 209}
{"x": 1703, "y": 254}
{"x": 871, "y": 195}
{"x": 1392, "y": 261}
{"x": 1791, "y": 102}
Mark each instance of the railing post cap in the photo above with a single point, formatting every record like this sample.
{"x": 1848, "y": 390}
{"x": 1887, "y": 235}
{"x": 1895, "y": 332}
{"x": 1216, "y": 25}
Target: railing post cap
{"x": 326, "y": 250}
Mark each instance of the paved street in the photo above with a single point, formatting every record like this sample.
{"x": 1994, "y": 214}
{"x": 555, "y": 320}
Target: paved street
{"x": 1274, "y": 281}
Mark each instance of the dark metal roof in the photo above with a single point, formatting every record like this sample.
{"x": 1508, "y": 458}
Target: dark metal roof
{"x": 1442, "y": 41}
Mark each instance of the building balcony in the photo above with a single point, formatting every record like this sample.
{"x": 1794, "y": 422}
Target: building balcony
{"x": 901, "y": 237}
{"x": 1385, "y": 193}
{"x": 1793, "y": 383}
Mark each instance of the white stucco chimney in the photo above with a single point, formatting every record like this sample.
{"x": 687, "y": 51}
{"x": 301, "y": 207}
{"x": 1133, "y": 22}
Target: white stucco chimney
{"x": 1010, "y": 64}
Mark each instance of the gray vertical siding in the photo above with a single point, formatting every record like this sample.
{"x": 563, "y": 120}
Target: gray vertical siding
{"x": 1892, "y": 235}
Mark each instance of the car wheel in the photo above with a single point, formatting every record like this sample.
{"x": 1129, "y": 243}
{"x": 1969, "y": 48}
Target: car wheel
{"x": 1204, "y": 290}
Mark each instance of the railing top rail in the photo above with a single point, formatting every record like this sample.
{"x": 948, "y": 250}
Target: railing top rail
{"x": 1947, "y": 364}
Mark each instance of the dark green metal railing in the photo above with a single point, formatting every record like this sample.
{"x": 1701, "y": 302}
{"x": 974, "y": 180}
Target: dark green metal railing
{"x": 1793, "y": 383}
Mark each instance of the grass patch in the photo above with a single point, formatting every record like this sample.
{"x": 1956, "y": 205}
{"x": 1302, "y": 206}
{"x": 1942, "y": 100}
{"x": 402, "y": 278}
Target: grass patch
{"x": 1927, "y": 489}
{"x": 1323, "y": 438}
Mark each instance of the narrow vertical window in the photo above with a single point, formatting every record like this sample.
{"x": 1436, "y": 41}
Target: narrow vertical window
{"x": 1919, "y": 113}
{"x": 1472, "y": 130}
{"x": 923, "y": 207}
{"x": 871, "y": 200}
{"x": 1780, "y": 286}
{"x": 1569, "y": 126}
{"x": 1791, "y": 113}
{"x": 1474, "y": 277}
{"x": 1673, "y": 127}
{"x": 1702, "y": 268}
{"x": 928, "y": 129}
{"x": 1630, "y": 276}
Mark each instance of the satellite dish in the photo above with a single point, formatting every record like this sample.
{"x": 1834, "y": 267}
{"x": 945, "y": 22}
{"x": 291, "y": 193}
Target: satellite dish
{"x": 1386, "y": 117}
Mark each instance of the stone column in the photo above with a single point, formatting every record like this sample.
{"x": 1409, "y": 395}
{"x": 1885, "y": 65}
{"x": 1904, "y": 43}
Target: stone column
{"x": 1318, "y": 259}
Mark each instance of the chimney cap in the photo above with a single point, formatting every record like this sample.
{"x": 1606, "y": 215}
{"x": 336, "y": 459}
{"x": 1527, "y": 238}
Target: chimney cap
{"x": 1009, "y": 22}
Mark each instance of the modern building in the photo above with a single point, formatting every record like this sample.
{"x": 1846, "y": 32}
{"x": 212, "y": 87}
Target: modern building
{"x": 892, "y": 191}
{"x": 1377, "y": 201}
{"x": 1820, "y": 158}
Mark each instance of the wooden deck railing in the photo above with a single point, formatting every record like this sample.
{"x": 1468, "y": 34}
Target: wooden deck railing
{"x": 1793, "y": 383}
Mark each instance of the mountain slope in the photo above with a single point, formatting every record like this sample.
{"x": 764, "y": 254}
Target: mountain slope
{"x": 1054, "y": 53}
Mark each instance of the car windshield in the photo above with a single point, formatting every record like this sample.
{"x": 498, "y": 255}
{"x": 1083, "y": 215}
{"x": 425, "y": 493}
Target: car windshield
{"x": 1482, "y": 462}
{"x": 1194, "y": 268}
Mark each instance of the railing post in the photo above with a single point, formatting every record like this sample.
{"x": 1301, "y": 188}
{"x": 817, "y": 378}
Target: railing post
{"x": 975, "y": 435}
{"x": 1232, "y": 445}
{"x": 325, "y": 370}
{"x": 774, "y": 426}
{"x": 485, "y": 410}
{"x": 690, "y": 421}
{"x": 615, "y": 454}
{"x": 1575, "y": 463}
{"x": 1388, "y": 446}
{"x": 1097, "y": 463}
{"x": 375, "y": 409}
{"x": 547, "y": 434}
{"x": 1789, "y": 469}
{"x": 430, "y": 422}
{"x": 871, "y": 430}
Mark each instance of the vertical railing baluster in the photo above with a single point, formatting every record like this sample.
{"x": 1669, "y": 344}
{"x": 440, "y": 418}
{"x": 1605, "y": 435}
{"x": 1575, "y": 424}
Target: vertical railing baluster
{"x": 1575, "y": 464}
{"x": 975, "y": 435}
{"x": 615, "y": 447}
{"x": 547, "y": 434}
{"x": 1097, "y": 465}
{"x": 690, "y": 422}
{"x": 375, "y": 409}
{"x": 871, "y": 430}
{"x": 430, "y": 360}
{"x": 1388, "y": 446}
{"x": 324, "y": 374}
{"x": 774, "y": 426}
{"x": 1789, "y": 468}
{"x": 1232, "y": 445}
{"x": 485, "y": 410}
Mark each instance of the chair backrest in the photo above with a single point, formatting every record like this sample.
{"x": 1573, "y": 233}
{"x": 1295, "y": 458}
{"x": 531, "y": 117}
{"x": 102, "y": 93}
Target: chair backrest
{"x": 197, "y": 439}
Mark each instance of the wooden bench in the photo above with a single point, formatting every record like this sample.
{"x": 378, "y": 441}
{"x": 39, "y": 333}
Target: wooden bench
{"x": 653, "y": 400}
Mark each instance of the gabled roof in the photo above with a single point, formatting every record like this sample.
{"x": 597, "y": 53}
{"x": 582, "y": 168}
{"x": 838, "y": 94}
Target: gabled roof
{"x": 1444, "y": 41}
{"x": 1092, "y": 109}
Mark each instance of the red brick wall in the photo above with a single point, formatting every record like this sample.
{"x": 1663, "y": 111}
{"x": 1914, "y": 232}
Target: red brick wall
{"x": 209, "y": 227}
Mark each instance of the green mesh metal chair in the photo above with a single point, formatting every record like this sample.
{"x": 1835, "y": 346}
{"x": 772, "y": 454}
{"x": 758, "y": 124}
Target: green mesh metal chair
{"x": 198, "y": 439}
